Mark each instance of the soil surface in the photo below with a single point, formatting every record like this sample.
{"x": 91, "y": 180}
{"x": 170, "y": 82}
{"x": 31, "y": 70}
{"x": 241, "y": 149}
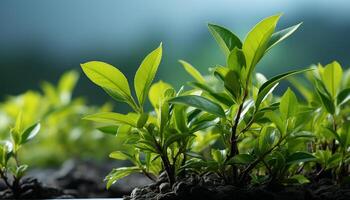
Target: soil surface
{"x": 75, "y": 178}
{"x": 211, "y": 187}
{"x": 31, "y": 188}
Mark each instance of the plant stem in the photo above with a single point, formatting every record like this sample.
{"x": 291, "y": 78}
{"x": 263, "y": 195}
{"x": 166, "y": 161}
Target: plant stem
{"x": 233, "y": 141}
{"x": 251, "y": 166}
{"x": 169, "y": 169}
{"x": 4, "y": 177}
{"x": 334, "y": 147}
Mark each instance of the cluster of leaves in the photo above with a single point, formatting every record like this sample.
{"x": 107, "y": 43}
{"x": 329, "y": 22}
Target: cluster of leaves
{"x": 229, "y": 122}
{"x": 64, "y": 135}
{"x": 11, "y": 171}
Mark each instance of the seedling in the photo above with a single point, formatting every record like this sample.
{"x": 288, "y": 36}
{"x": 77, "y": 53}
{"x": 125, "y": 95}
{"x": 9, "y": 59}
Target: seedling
{"x": 328, "y": 96}
{"x": 230, "y": 122}
{"x": 155, "y": 140}
{"x": 12, "y": 170}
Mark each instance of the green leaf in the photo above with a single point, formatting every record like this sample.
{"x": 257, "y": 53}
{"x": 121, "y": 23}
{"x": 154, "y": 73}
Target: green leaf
{"x": 66, "y": 85}
{"x": 109, "y": 78}
{"x": 174, "y": 138}
{"x": 326, "y": 101}
{"x": 163, "y": 116}
{"x": 299, "y": 157}
{"x": 335, "y": 135}
{"x": 156, "y": 93}
{"x": 218, "y": 155}
{"x": 232, "y": 84}
{"x": 236, "y": 60}
{"x": 179, "y": 116}
{"x": 18, "y": 123}
{"x": 331, "y": 77}
{"x": 255, "y": 44}
{"x": 6, "y": 148}
{"x": 119, "y": 173}
{"x": 343, "y": 96}
{"x": 192, "y": 71}
{"x": 221, "y": 97}
{"x": 242, "y": 159}
{"x": 225, "y": 38}
{"x": 279, "y": 36}
{"x": 20, "y": 171}
{"x": 220, "y": 72}
{"x": 113, "y": 118}
{"x": 298, "y": 178}
{"x": 141, "y": 121}
{"x": 334, "y": 160}
{"x": 268, "y": 85}
{"x": 268, "y": 136}
{"x": 119, "y": 155}
{"x": 30, "y": 133}
{"x": 288, "y": 104}
{"x": 146, "y": 73}
{"x": 200, "y": 103}
{"x": 111, "y": 130}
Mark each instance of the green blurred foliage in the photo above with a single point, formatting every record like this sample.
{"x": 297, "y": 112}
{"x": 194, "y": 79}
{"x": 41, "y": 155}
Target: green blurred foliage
{"x": 63, "y": 133}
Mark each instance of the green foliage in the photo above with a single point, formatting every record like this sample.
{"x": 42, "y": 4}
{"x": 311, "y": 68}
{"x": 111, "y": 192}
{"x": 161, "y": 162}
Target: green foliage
{"x": 65, "y": 135}
{"x": 20, "y": 134}
{"x": 230, "y": 122}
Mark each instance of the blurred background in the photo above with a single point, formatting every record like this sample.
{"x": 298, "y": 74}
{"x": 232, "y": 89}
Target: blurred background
{"x": 42, "y": 44}
{"x": 39, "y": 40}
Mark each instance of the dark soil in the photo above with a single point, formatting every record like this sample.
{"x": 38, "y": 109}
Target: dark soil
{"x": 211, "y": 187}
{"x": 31, "y": 188}
{"x": 76, "y": 178}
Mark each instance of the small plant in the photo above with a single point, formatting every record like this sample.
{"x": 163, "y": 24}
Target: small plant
{"x": 247, "y": 109}
{"x": 229, "y": 122}
{"x": 11, "y": 169}
{"x": 155, "y": 140}
{"x": 328, "y": 96}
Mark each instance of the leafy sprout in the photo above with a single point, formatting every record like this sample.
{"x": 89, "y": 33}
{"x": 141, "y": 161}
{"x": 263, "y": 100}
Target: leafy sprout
{"x": 229, "y": 122}
{"x": 20, "y": 135}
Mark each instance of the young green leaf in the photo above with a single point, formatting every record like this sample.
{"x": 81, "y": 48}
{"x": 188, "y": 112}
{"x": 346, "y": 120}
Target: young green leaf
{"x": 343, "y": 96}
{"x": 200, "y": 103}
{"x": 220, "y": 72}
{"x": 113, "y": 118}
{"x": 232, "y": 84}
{"x": 6, "y": 148}
{"x": 326, "y": 101}
{"x": 110, "y": 130}
{"x": 119, "y": 155}
{"x": 30, "y": 133}
{"x": 279, "y": 36}
{"x": 288, "y": 104}
{"x": 179, "y": 116}
{"x": 142, "y": 120}
{"x": 221, "y": 97}
{"x": 298, "y": 178}
{"x": 119, "y": 173}
{"x": 156, "y": 93}
{"x": 299, "y": 157}
{"x": 331, "y": 76}
{"x": 66, "y": 85}
{"x": 146, "y": 73}
{"x": 218, "y": 155}
{"x": 255, "y": 44}
{"x": 225, "y": 38}
{"x": 110, "y": 78}
{"x": 192, "y": 71}
{"x": 242, "y": 159}
{"x": 236, "y": 60}
{"x": 266, "y": 87}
